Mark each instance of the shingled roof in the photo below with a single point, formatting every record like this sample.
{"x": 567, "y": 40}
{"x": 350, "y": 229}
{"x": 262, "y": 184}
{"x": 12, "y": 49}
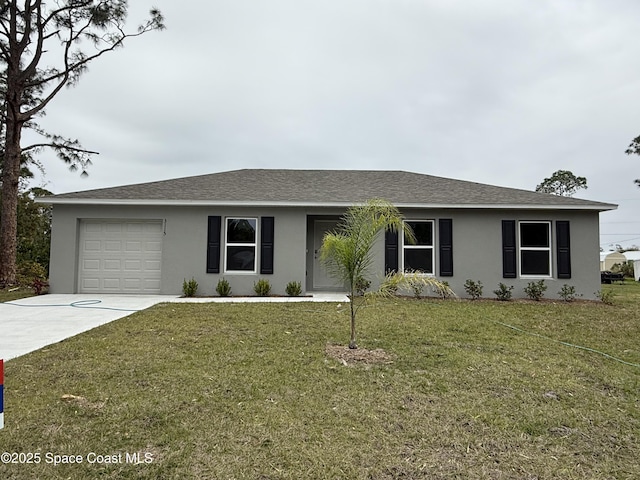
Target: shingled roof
{"x": 323, "y": 187}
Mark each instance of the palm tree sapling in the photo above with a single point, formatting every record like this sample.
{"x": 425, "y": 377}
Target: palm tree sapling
{"x": 347, "y": 251}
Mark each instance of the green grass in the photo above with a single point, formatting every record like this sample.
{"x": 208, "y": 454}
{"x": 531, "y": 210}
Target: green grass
{"x": 236, "y": 391}
{"x": 6, "y": 295}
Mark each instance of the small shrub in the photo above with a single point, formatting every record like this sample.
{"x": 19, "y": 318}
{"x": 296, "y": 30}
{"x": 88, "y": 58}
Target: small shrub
{"x": 362, "y": 285}
{"x": 39, "y": 286}
{"x": 223, "y": 288}
{"x": 503, "y": 293}
{"x": 535, "y": 290}
{"x": 30, "y": 272}
{"x": 567, "y": 293}
{"x": 473, "y": 289}
{"x": 262, "y": 287}
{"x": 294, "y": 289}
{"x": 605, "y": 296}
{"x": 417, "y": 289}
{"x": 189, "y": 288}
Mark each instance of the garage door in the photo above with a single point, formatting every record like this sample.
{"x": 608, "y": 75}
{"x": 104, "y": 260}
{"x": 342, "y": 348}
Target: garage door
{"x": 120, "y": 256}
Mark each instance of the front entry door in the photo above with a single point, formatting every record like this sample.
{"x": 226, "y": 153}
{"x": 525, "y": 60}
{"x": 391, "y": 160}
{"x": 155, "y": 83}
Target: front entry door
{"x": 321, "y": 279}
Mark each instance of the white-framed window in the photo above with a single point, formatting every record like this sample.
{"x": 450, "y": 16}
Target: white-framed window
{"x": 534, "y": 248}
{"x": 419, "y": 257}
{"x": 241, "y": 236}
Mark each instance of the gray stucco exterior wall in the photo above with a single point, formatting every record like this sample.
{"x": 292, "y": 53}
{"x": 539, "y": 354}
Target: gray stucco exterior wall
{"x": 184, "y": 246}
{"x": 477, "y": 249}
{"x": 477, "y": 246}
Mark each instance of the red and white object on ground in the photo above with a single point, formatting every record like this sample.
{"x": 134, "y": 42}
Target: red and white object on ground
{"x": 1, "y": 393}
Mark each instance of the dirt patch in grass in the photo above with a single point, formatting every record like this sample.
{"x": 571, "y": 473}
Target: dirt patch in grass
{"x": 82, "y": 402}
{"x": 358, "y": 356}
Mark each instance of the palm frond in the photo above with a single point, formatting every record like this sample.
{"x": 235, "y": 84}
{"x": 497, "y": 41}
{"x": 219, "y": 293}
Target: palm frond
{"x": 397, "y": 281}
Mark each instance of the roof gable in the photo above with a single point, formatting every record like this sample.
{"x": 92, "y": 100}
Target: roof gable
{"x": 323, "y": 187}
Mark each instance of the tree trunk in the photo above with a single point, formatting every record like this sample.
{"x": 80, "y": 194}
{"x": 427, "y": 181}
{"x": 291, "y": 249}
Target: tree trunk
{"x": 10, "y": 184}
{"x": 352, "y": 339}
{"x": 9, "y": 220}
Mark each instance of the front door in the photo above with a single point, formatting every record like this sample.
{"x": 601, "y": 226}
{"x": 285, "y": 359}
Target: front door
{"x": 321, "y": 279}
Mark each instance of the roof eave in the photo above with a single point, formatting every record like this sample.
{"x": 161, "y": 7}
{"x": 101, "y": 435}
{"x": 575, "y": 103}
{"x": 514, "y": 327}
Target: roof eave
{"x": 219, "y": 203}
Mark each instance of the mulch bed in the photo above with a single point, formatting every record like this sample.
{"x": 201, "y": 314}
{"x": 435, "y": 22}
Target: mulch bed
{"x": 358, "y": 356}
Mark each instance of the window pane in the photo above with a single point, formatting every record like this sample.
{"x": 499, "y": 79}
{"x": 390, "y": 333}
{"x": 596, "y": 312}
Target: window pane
{"x": 534, "y": 262}
{"x": 423, "y": 232}
{"x": 241, "y": 230}
{"x": 418, "y": 259}
{"x": 534, "y": 234}
{"x": 241, "y": 258}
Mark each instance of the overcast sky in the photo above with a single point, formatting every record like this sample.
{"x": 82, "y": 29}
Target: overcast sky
{"x": 500, "y": 91}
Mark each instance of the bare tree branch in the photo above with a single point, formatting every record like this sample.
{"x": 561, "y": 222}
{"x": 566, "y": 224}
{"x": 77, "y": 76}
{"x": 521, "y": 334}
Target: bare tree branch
{"x": 59, "y": 146}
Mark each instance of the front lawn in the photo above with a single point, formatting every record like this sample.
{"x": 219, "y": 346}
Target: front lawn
{"x": 9, "y": 294}
{"x": 235, "y": 391}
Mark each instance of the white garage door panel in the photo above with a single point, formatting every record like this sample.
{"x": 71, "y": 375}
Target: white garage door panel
{"x": 113, "y": 246}
{"x": 132, "y": 284}
{"x": 153, "y": 246}
{"x": 90, "y": 284}
{"x": 112, "y": 265}
{"x": 92, "y": 245}
{"x": 91, "y": 265}
{"x": 132, "y": 265}
{"x": 111, "y": 284}
{"x": 133, "y": 246}
{"x": 113, "y": 227}
{"x": 120, "y": 256}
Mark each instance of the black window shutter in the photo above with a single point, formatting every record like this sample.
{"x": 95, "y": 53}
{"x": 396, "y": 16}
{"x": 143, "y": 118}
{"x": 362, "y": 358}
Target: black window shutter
{"x": 563, "y": 253}
{"x": 509, "y": 253}
{"x": 390, "y": 251}
{"x": 445, "y": 226}
{"x": 213, "y": 244}
{"x": 266, "y": 245}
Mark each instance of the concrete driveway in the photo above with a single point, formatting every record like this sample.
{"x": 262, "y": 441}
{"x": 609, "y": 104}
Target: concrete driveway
{"x": 31, "y": 323}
